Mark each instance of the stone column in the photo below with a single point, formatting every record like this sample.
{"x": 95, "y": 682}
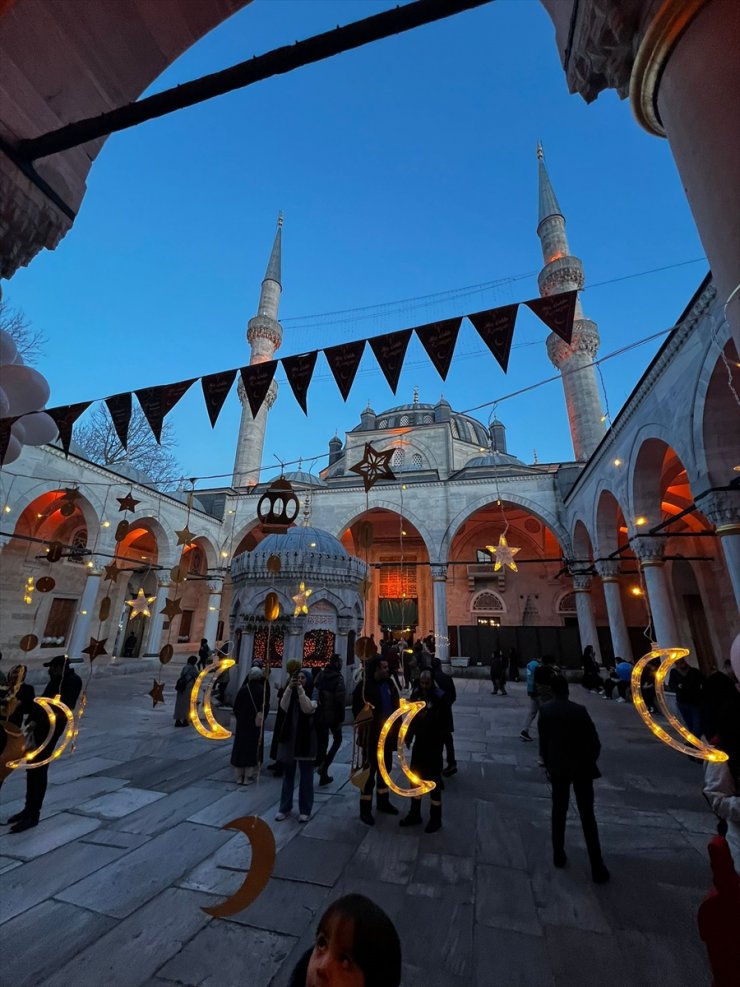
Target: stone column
{"x": 609, "y": 572}
{"x": 344, "y": 626}
{"x": 293, "y": 641}
{"x": 80, "y": 636}
{"x": 586, "y": 623}
{"x": 649, "y": 552}
{"x": 153, "y": 642}
{"x": 439, "y": 588}
{"x": 724, "y": 513}
{"x": 210, "y": 626}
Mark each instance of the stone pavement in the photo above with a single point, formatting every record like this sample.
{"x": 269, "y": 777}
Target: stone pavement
{"x": 106, "y": 892}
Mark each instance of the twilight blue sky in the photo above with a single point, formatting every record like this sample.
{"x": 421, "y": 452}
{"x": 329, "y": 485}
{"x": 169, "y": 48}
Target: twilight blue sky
{"x": 405, "y": 170}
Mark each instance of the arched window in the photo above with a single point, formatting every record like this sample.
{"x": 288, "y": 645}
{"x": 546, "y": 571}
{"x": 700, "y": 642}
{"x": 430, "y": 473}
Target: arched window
{"x": 399, "y": 457}
{"x": 405, "y": 420}
{"x": 428, "y": 419}
{"x": 567, "y": 604}
{"x": 79, "y": 545}
{"x": 196, "y": 560}
{"x": 416, "y": 461}
{"x": 383, "y": 423}
{"x": 487, "y": 601}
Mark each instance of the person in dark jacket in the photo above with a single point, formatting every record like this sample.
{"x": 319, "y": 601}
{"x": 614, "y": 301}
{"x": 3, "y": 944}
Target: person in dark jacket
{"x": 183, "y": 690}
{"x": 426, "y": 733}
{"x": 204, "y": 654}
{"x": 67, "y": 684}
{"x": 687, "y": 681}
{"x": 447, "y": 684}
{"x": 379, "y": 691}
{"x": 16, "y": 703}
{"x": 330, "y": 695}
{"x": 251, "y": 706}
{"x": 591, "y": 680}
{"x": 297, "y": 745}
{"x": 356, "y": 946}
{"x": 499, "y": 664}
{"x": 514, "y": 665}
{"x": 570, "y": 748}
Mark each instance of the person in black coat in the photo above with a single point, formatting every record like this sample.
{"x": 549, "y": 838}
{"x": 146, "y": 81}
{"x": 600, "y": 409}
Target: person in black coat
{"x": 16, "y": 696}
{"x": 591, "y": 679}
{"x": 378, "y": 691}
{"x": 499, "y": 665}
{"x": 251, "y": 706}
{"x": 570, "y": 748}
{"x": 330, "y": 693}
{"x": 426, "y": 732}
{"x": 447, "y": 684}
{"x": 67, "y": 685}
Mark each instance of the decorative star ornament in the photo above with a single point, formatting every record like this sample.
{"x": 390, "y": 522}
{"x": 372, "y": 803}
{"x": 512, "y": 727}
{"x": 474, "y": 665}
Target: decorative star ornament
{"x": 140, "y": 605}
{"x": 157, "y": 693}
{"x": 111, "y": 572}
{"x": 503, "y": 554}
{"x": 301, "y": 599}
{"x": 374, "y": 466}
{"x": 185, "y": 536}
{"x": 95, "y": 648}
{"x": 171, "y": 609}
{"x": 127, "y": 503}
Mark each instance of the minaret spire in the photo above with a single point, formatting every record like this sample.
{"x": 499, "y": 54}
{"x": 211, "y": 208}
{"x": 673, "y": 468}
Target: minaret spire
{"x": 574, "y": 360}
{"x": 274, "y": 265}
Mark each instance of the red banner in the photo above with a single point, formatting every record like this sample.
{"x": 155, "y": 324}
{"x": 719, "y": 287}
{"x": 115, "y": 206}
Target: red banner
{"x": 119, "y": 409}
{"x": 64, "y": 419}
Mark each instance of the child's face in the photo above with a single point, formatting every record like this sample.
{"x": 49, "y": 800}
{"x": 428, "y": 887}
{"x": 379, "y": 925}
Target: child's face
{"x": 332, "y": 963}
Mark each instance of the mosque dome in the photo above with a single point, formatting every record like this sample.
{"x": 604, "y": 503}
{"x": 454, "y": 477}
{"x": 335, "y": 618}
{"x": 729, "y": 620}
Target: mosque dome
{"x": 464, "y": 428}
{"x": 304, "y": 478}
{"x": 493, "y": 460}
{"x": 300, "y": 539}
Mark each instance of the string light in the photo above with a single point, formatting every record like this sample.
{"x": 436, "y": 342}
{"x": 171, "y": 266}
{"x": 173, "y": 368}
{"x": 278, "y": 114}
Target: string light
{"x": 105, "y": 524}
{"x": 617, "y": 462}
{"x": 408, "y": 711}
{"x": 641, "y": 521}
{"x": 7, "y": 508}
{"x": 49, "y": 705}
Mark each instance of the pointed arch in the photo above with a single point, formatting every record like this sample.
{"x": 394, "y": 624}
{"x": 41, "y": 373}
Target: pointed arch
{"x": 511, "y": 497}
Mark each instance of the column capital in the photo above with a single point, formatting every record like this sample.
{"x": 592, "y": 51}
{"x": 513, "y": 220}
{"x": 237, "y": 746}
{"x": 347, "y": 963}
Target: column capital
{"x": 439, "y": 572}
{"x": 722, "y": 509}
{"x": 648, "y": 549}
{"x": 215, "y": 584}
{"x": 344, "y": 625}
{"x": 608, "y": 570}
{"x": 582, "y": 584}
{"x": 164, "y": 583}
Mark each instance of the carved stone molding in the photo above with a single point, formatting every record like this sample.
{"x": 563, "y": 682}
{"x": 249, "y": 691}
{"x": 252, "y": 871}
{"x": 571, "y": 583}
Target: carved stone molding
{"x": 439, "y": 573}
{"x": 585, "y": 339}
{"x": 263, "y": 327}
{"x": 608, "y": 570}
{"x": 582, "y": 584}
{"x": 722, "y": 509}
{"x": 562, "y": 274}
{"x": 648, "y": 550}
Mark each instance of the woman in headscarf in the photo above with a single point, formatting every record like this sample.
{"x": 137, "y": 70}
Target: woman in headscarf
{"x": 251, "y": 707}
{"x": 298, "y": 745}
{"x": 183, "y": 688}
{"x": 427, "y": 732}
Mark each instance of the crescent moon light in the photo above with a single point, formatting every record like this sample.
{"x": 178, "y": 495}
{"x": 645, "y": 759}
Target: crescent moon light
{"x": 49, "y": 706}
{"x": 262, "y": 842}
{"x": 669, "y": 657}
{"x": 408, "y": 711}
{"x": 214, "y": 730}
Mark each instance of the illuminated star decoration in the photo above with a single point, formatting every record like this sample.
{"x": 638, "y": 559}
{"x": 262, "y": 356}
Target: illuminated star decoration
{"x": 140, "y": 605}
{"x": 171, "y": 609}
{"x": 185, "y": 536}
{"x": 301, "y": 599}
{"x": 111, "y": 572}
{"x": 127, "y": 503}
{"x": 157, "y": 693}
{"x": 95, "y": 648}
{"x": 374, "y": 466}
{"x": 503, "y": 554}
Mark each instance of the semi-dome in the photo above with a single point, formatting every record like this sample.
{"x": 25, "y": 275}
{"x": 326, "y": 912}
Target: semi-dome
{"x": 304, "y": 478}
{"x": 300, "y": 539}
{"x": 492, "y": 460}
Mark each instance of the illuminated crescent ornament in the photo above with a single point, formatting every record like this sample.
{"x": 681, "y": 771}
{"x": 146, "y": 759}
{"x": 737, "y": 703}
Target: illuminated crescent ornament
{"x": 503, "y": 554}
{"x": 49, "y": 706}
{"x": 669, "y": 657}
{"x": 140, "y": 605}
{"x": 262, "y": 842}
{"x": 214, "y": 730}
{"x": 408, "y": 711}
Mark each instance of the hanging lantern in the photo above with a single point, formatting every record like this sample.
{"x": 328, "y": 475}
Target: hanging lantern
{"x": 277, "y": 508}
{"x": 272, "y": 607}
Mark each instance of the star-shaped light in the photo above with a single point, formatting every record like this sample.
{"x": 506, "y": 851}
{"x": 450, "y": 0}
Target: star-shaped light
{"x": 140, "y": 605}
{"x": 171, "y": 609}
{"x": 374, "y": 466}
{"x": 157, "y": 693}
{"x": 185, "y": 536}
{"x": 95, "y": 648}
{"x": 127, "y": 503}
{"x": 503, "y": 554}
{"x": 301, "y": 599}
{"x": 111, "y": 572}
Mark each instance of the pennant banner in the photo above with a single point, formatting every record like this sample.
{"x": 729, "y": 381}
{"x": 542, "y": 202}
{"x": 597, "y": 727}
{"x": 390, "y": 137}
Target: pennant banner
{"x": 216, "y": 389}
{"x": 119, "y": 407}
{"x": 299, "y": 371}
{"x": 389, "y": 351}
{"x": 557, "y": 312}
{"x": 496, "y": 328}
{"x": 257, "y": 378}
{"x": 64, "y": 419}
{"x": 438, "y": 339}
{"x": 343, "y": 362}
{"x": 156, "y": 402}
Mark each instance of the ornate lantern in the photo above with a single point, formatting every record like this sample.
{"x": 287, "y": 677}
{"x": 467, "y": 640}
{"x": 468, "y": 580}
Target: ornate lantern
{"x": 277, "y": 508}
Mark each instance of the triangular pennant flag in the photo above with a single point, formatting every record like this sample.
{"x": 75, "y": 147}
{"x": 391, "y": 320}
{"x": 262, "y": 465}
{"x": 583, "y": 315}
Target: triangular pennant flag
{"x": 496, "y": 328}
{"x": 343, "y": 362}
{"x": 64, "y": 419}
{"x": 389, "y": 351}
{"x": 438, "y": 339}
{"x": 119, "y": 407}
{"x": 557, "y": 312}
{"x": 156, "y": 402}
{"x": 299, "y": 371}
{"x": 216, "y": 389}
{"x": 5, "y": 426}
{"x": 257, "y": 378}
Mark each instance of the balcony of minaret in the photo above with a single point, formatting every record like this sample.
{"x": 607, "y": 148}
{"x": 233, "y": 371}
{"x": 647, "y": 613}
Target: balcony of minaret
{"x": 264, "y": 328}
{"x": 562, "y": 274}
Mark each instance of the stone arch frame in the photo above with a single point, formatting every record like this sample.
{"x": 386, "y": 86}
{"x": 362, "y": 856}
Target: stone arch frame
{"x": 720, "y": 340}
{"x": 240, "y": 533}
{"x": 386, "y": 505}
{"x": 90, "y": 505}
{"x": 583, "y": 543}
{"x": 488, "y": 592}
{"x": 711, "y": 463}
{"x": 606, "y": 538}
{"x": 325, "y": 595}
{"x": 163, "y": 535}
{"x": 209, "y": 550}
{"x": 559, "y": 603}
{"x": 247, "y": 601}
{"x": 556, "y": 528}
{"x": 637, "y": 496}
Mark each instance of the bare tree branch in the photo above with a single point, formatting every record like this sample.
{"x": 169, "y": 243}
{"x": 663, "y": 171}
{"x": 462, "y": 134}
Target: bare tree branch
{"x": 95, "y": 434}
{"x": 29, "y": 340}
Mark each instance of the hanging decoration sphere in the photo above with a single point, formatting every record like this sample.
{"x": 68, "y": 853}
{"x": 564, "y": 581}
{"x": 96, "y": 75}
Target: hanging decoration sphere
{"x": 277, "y": 508}
{"x": 272, "y": 607}
{"x": 365, "y": 648}
{"x": 104, "y": 611}
{"x": 166, "y": 653}
{"x": 55, "y": 551}
{"x": 122, "y": 530}
{"x": 28, "y": 642}
{"x": 45, "y": 584}
{"x": 274, "y": 564}
{"x": 67, "y": 508}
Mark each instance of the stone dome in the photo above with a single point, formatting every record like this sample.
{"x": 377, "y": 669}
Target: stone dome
{"x": 302, "y": 540}
{"x": 304, "y": 478}
{"x": 493, "y": 460}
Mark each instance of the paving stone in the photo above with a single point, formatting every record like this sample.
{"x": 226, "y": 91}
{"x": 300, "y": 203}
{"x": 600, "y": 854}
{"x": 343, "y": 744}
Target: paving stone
{"x": 106, "y": 836}
{"x": 166, "y": 812}
{"x": 504, "y": 900}
{"x": 510, "y": 959}
{"x": 62, "y": 930}
{"x": 448, "y": 931}
{"x": 50, "y": 834}
{"x": 338, "y": 819}
{"x": 576, "y": 955}
{"x": 567, "y": 898}
{"x": 654, "y": 958}
{"x": 442, "y": 875}
{"x": 305, "y": 859}
{"x": 125, "y": 885}
{"x": 74, "y": 767}
{"x": 497, "y": 837}
{"x": 248, "y": 800}
{"x": 696, "y": 822}
{"x": 115, "y": 805}
{"x": 8, "y": 863}
{"x": 280, "y": 909}
{"x": 134, "y": 949}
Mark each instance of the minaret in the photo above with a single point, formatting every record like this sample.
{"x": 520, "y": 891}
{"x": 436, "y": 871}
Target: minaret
{"x": 264, "y": 335}
{"x": 562, "y": 272}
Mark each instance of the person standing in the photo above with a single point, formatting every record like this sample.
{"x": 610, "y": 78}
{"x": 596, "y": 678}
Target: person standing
{"x": 534, "y": 703}
{"x": 447, "y": 684}
{"x": 183, "y": 688}
{"x": 499, "y": 662}
{"x": 379, "y": 692}
{"x": 591, "y": 679}
{"x": 722, "y": 778}
{"x": 16, "y": 703}
{"x": 426, "y": 733}
{"x": 297, "y": 745}
{"x": 251, "y": 707}
{"x": 570, "y": 748}
{"x": 67, "y": 684}
{"x": 204, "y": 654}
{"x": 514, "y": 665}
{"x": 330, "y": 694}
{"x": 687, "y": 681}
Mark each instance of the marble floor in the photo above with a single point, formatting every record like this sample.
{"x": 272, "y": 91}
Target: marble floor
{"x": 107, "y": 890}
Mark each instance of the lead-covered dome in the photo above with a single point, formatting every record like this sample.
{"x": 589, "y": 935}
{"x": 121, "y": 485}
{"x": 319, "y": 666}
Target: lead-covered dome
{"x": 300, "y": 539}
